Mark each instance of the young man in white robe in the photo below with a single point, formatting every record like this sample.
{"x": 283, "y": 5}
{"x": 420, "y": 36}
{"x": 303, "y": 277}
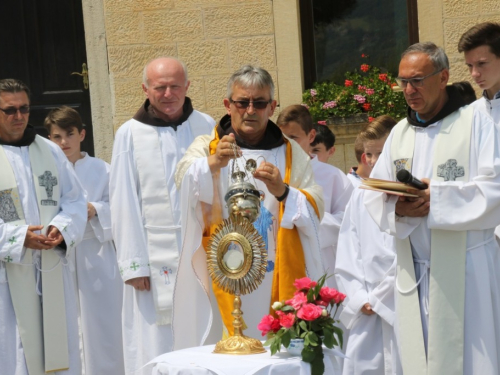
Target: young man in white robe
{"x": 365, "y": 271}
{"x": 98, "y": 279}
{"x": 296, "y": 123}
{"x": 481, "y": 47}
{"x": 145, "y": 207}
{"x": 447, "y": 298}
{"x": 42, "y": 220}
{"x": 286, "y": 178}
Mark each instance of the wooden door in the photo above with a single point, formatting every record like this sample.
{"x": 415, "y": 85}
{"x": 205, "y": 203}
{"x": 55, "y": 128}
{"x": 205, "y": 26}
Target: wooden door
{"x": 42, "y": 42}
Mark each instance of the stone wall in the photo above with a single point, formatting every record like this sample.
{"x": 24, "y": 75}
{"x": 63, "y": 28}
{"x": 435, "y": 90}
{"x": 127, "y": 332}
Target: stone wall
{"x": 213, "y": 38}
{"x": 444, "y": 21}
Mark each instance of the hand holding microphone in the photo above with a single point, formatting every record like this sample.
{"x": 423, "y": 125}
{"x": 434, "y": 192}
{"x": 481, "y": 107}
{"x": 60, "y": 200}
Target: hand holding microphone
{"x": 407, "y": 178}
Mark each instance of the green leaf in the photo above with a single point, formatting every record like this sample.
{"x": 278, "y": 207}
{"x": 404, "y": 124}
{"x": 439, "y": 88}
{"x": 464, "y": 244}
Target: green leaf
{"x": 339, "y": 334}
{"x": 303, "y": 325}
{"x": 328, "y": 338}
{"x": 313, "y": 338}
{"x": 285, "y": 339}
{"x": 308, "y": 354}
{"x": 269, "y": 341}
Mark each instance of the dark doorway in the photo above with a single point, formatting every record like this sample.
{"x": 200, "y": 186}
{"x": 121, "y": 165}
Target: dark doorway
{"x": 42, "y": 43}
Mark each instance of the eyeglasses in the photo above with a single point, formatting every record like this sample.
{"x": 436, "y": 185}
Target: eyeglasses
{"x": 415, "y": 82}
{"x": 244, "y": 104}
{"x": 13, "y": 110}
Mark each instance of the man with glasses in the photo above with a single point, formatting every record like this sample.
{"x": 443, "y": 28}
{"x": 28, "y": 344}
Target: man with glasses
{"x": 145, "y": 208}
{"x": 291, "y": 208}
{"x": 43, "y": 212}
{"x": 448, "y": 260}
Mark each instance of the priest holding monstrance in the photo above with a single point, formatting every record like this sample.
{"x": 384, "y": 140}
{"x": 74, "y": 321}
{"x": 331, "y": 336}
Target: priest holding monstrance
{"x": 43, "y": 212}
{"x": 290, "y": 211}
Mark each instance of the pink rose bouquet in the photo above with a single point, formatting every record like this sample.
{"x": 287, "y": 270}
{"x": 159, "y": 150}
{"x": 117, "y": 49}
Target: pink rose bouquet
{"x": 308, "y": 315}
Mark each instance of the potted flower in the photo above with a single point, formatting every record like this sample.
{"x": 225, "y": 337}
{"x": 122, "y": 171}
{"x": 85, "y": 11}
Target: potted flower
{"x": 365, "y": 93}
{"x": 308, "y": 316}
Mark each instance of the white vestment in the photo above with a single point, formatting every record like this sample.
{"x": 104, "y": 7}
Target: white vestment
{"x": 492, "y": 107}
{"x": 71, "y": 223}
{"x": 365, "y": 271}
{"x": 143, "y": 339}
{"x": 99, "y": 283}
{"x": 337, "y": 190}
{"x": 472, "y": 206}
{"x": 196, "y": 318}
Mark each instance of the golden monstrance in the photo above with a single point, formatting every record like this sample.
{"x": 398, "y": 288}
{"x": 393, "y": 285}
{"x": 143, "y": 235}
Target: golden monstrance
{"x": 237, "y": 256}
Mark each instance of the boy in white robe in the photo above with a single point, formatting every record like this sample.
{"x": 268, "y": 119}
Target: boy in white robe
{"x": 365, "y": 272}
{"x": 98, "y": 278}
{"x": 21, "y": 352}
{"x": 296, "y": 123}
{"x": 356, "y": 174}
{"x": 140, "y": 196}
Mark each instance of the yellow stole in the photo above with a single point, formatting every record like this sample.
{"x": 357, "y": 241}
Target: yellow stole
{"x": 289, "y": 263}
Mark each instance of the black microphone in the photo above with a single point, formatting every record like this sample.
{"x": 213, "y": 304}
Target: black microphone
{"x": 407, "y": 178}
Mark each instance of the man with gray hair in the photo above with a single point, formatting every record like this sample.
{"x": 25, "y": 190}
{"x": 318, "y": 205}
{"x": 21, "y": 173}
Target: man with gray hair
{"x": 145, "y": 208}
{"x": 290, "y": 211}
{"x": 448, "y": 264}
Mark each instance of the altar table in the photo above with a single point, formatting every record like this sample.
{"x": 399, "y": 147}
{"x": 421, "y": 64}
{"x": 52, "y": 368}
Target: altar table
{"x": 201, "y": 361}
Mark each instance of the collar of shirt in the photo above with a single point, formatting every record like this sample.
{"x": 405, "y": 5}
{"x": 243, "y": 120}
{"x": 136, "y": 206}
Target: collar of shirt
{"x": 496, "y": 96}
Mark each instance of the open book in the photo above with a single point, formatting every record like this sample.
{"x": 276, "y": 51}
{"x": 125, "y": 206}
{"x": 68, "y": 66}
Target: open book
{"x": 386, "y": 186}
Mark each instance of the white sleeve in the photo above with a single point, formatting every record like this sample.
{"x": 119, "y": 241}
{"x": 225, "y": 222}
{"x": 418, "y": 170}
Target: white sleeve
{"x": 126, "y": 214}
{"x": 101, "y": 223}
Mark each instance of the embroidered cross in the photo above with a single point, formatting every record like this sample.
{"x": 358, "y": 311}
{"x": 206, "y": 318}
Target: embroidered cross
{"x": 450, "y": 170}
{"x": 8, "y": 210}
{"x": 64, "y": 228}
{"x": 12, "y": 240}
{"x": 134, "y": 266}
{"x": 8, "y": 259}
{"x": 72, "y": 244}
{"x": 48, "y": 182}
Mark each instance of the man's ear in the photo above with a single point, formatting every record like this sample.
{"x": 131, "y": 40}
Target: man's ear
{"x": 82, "y": 135}
{"x": 227, "y": 105}
{"x": 311, "y": 136}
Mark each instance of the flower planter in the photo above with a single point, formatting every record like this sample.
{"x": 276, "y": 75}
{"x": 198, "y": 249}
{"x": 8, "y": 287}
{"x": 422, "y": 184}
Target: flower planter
{"x": 295, "y": 347}
{"x": 358, "y": 118}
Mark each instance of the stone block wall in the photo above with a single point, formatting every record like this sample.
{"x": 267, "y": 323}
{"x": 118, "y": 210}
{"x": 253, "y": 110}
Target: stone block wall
{"x": 213, "y": 38}
{"x": 444, "y": 21}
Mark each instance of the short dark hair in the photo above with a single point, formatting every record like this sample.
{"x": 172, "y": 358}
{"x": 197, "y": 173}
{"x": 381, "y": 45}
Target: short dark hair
{"x": 483, "y": 34}
{"x": 297, "y": 113}
{"x": 359, "y": 148}
{"x": 466, "y": 91}
{"x": 13, "y": 85}
{"x": 323, "y": 135}
{"x": 63, "y": 117}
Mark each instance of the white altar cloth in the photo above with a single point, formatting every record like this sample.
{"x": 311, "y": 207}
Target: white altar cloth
{"x": 201, "y": 361}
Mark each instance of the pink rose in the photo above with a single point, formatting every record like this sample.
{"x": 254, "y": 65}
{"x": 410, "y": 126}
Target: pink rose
{"x": 266, "y": 324}
{"x": 328, "y": 294}
{"x": 304, "y": 283}
{"x": 309, "y": 312}
{"x": 297, "y": 301}
{"x": 320, "y": 302}
{"x": 287, "y": 320}
{"x": 339, "y": 298}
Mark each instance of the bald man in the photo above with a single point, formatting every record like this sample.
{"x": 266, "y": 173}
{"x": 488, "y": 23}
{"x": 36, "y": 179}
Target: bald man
{"x": 145, "y": 210}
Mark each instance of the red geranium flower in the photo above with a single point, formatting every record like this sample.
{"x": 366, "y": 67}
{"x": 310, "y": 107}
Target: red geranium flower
{"x": 383, "y": 77}
{"x": 365, "y": 67}
{"x": 348, "y": 83}
{"x": 367, "y": 106}
{"x": 370, "y": 119}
